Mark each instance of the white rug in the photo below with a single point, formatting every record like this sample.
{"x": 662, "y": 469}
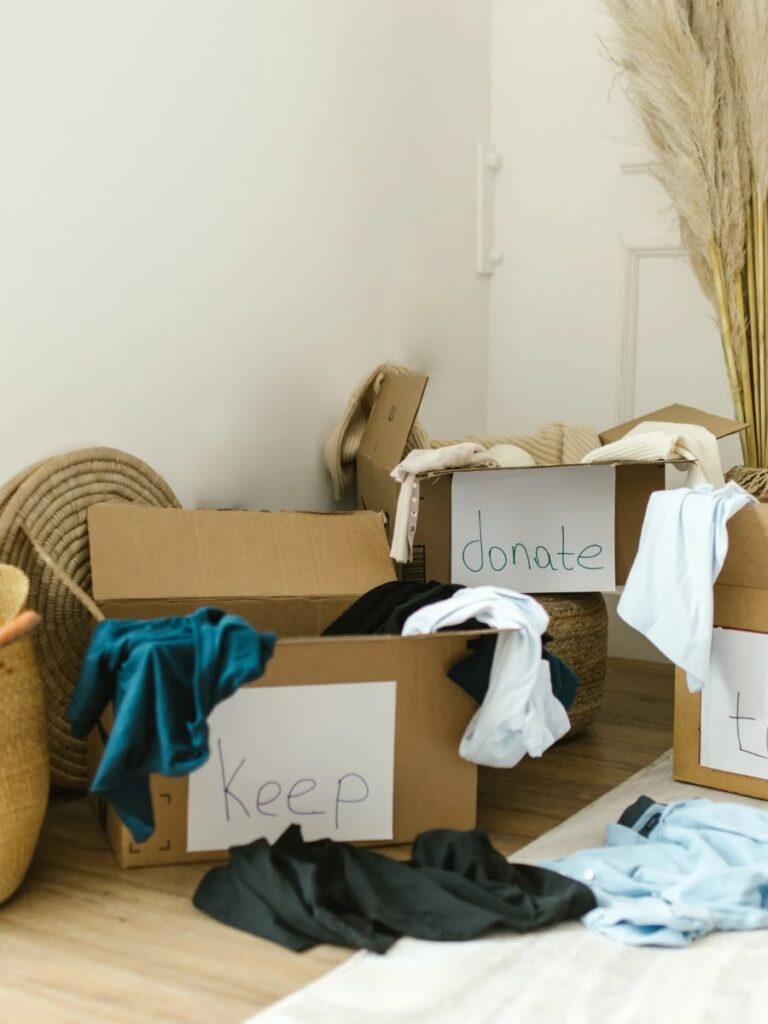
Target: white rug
{"x": 562, "y": 975}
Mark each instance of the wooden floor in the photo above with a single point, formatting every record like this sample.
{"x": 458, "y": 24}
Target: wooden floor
{"x": 84, "y": 941}
{"x": 634, "y": 727}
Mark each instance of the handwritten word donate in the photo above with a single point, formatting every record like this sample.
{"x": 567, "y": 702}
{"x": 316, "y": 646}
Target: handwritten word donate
{"x": 497, "y": 553}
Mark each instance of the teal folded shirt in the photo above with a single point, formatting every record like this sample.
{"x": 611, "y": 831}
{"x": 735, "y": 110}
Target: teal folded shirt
{"x": 164, "y": 677}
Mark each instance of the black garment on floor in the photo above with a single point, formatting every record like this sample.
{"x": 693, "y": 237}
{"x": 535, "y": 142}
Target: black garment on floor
{"x": 386, "y": 608}
{"x": 456, "y": 887}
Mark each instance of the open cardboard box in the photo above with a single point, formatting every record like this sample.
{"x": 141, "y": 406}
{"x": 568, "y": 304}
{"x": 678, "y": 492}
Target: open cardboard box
{"x": 383, "y": 447}
{"x": 291, "y": 573}
{"x": 741, "y": 603}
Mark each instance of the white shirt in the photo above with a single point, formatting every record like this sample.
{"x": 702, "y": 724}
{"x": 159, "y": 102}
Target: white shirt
{"x": 520, "y": 715}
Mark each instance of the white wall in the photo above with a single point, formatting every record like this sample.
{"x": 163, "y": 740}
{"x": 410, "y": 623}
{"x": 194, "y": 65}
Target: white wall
{"x": 215, "y": 217}
{"x": 595, "y": 316}
{"x": 577, "y": 215}
{"x": 553, "y": 303}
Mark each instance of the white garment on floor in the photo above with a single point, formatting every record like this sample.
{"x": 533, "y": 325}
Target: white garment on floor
{"x": 431, "y": 460}
{"x": 519, "y": 715}
{"x": 668, "y": 595}
{"x": 650, "y": 442}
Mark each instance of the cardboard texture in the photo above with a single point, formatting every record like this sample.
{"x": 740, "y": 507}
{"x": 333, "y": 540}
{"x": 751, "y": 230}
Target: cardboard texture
{"x": 741, "y": 602}
{"x": 383, "y": 446}
{"x": 292, "y": 573}
{"x": 145, "y": 555}
{"x": 310, "y": 567}
{"x": 717, "y": 425}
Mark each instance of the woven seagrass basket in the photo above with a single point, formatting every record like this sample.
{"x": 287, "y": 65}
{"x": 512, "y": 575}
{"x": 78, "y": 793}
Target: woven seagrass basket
{"x": 578, "y": 624}
{"x": 48, "y": 504}
{"x": 24, "y": 771}
{"x": 753, "y": 480}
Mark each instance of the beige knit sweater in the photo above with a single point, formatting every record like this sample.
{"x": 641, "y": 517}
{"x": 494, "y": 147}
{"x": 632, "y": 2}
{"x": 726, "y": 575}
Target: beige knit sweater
{"x": 554, "y": 445}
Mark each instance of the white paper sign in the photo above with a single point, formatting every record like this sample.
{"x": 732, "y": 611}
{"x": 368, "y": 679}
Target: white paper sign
{"x": 734, "y": 705}
{"x": 320, "y": 756}
{"x": 534, "y": 530}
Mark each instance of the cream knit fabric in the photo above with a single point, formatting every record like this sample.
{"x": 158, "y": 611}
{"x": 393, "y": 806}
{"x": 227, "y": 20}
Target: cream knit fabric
{"x": 650, "y": 442}
{"x": 431, "y": 460}
{"x": 554, "y": 445}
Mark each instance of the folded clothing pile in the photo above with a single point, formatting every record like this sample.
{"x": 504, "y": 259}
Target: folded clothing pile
{"x": 650, "y": 441}
{"x": 647, "y": 442}
{"x": 554, "y": 445}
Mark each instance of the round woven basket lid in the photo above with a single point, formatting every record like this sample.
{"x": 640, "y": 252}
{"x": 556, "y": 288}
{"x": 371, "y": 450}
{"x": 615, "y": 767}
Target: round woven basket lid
{"x": 51, "y": 501}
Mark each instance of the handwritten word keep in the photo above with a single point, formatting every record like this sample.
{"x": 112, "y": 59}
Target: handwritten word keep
{"x": 302, "y": 797}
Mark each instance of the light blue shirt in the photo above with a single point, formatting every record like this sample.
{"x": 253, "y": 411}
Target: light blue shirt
{"x": 668, "y": 594}
{"x": 703, "y": 867}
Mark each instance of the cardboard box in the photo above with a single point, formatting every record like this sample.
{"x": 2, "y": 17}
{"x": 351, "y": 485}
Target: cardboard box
{"x": 383, "y": 447}
{"x": 292, "y": 573}
{"x": 740, "y": 603}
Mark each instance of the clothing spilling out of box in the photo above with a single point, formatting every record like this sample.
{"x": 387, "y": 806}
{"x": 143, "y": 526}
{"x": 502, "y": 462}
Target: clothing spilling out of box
{"x": 264, "y": 683}
{"x": 444, "y": 678}
{"x": 667, "y": 875}
{"x": 577, "y": 510}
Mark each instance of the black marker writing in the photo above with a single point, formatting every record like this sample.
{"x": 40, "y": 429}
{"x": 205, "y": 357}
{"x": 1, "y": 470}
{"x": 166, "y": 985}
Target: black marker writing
{"x": 348, "y": 799}
{"x": 227, "y": 783}
{"x": 261, "y": 804}
{"x": 295, "y": 793}
{"x": 739, "y": 718}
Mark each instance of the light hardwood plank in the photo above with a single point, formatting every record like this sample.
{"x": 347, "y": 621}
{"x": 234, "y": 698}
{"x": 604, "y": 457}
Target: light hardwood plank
{"x": 84, "y": 941}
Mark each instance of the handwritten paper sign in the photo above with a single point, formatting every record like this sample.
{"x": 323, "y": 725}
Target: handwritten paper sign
{"x": 534, "y": 530}
{"x": 320, "y": 756}
{"x": 734, "y": 705}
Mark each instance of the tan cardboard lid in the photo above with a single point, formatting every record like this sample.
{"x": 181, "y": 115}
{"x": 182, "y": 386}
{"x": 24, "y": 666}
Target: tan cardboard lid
{"x": 139, "y": 552}
{"x": 717, "y": 425}
{"x": 392, "y": 418}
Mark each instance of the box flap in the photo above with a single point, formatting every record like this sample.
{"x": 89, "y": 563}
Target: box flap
{"x": 392, "y": 418}
{"x": 717, "y": 425}
{"x": 140, "y": 553}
